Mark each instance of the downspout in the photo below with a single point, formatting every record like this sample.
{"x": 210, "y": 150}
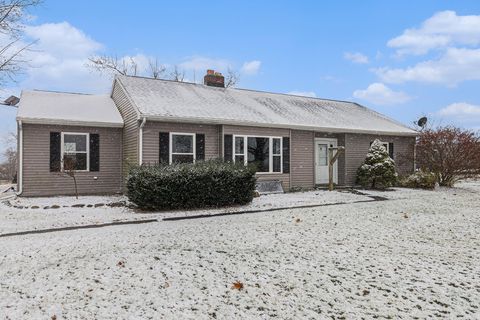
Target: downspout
{"x": 140, "y": 141}
{"x": 20, "y": 158}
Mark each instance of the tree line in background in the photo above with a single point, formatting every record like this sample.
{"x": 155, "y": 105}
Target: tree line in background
{"x": 8, "y": 168}
{"x": 111, "y": 65}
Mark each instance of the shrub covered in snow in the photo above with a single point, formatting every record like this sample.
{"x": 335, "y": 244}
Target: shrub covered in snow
{"x": 420, "y": 179}
{"x": 378, "y": 169}
{"x": 181, "y": 186}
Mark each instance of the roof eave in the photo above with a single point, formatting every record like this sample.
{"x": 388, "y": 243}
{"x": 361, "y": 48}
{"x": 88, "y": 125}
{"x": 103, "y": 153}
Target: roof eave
{"x": 273, "y": 125}
{"x": 61, "y": 122}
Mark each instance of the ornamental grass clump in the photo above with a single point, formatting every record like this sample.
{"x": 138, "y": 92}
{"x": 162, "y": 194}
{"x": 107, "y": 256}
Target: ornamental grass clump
{"x": 212, "y": 183}
{"x": 378, "y": 170}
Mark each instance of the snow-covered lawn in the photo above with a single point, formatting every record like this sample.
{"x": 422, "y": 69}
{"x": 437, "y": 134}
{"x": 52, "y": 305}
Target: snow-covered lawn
{"x": 15, "y": 220}
{"x": 59, "y": 212}
{"x": 416, "y": 255}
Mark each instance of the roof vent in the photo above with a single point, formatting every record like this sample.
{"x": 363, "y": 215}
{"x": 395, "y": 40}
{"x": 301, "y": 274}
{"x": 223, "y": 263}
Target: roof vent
{"x": 214, "y": 79}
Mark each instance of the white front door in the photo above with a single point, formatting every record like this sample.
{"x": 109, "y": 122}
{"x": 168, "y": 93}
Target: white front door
{"x": 322, "y": 159}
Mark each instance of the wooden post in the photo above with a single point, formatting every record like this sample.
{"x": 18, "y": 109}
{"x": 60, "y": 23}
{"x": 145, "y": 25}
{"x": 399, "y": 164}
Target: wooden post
{"x": 331, "y": 161}
{"x": 330, "y": 169}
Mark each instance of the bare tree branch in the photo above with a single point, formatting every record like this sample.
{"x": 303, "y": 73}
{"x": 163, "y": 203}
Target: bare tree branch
{"x": 177, "y": 74}
{"x": 156, "y": 70}
{"x": 12, "y": 13}
{"x": 232, "y": 78}
{"x": 12, "y": 16}
{"x": 113, "y": 65}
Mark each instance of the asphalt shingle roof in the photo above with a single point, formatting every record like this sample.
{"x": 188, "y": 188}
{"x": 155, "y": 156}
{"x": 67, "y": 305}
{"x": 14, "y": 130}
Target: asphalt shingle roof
{"x": 177, "y": 101}
{"x": 68, "y": 108}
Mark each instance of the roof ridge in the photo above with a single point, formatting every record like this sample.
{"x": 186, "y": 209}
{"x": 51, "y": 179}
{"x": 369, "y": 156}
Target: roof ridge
{"x": 66, "y": 92}
{"x": 233, "y": 88}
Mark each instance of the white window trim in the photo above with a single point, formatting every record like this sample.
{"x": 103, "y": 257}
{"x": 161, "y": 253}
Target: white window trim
{"x": 270, "y": 155}
{"x": 170, "y": 153}
{"x": 386, "y": 145}
{"x": 62, "y": 148}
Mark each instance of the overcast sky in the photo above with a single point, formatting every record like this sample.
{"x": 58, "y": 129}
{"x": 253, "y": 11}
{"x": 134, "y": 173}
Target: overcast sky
{"x": 404, "y": 59}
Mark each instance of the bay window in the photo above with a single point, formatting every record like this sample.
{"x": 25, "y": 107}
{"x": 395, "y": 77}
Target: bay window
{"x": 263, "y": 152}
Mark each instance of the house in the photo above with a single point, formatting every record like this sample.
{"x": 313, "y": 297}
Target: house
{"x": 147, "y": 121}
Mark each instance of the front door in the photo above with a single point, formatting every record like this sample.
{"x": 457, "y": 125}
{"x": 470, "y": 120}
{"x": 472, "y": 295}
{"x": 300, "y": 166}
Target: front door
{"x": 322, "y": 159}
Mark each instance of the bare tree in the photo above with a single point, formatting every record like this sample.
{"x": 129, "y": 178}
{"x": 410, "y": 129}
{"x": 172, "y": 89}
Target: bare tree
{"x": 113, "y": 65}
{"x": 69, "y": 168}
{"x": 156, "y": 70}
{"x": 232, "y": 78}
{"x": 177, "y": 74}
{"x": 8, "y": 168}
{"x": 126, "y": 66}
{"x": 12, "y": 15}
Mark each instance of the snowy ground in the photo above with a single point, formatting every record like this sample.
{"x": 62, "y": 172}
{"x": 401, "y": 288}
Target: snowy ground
{"x": 415, "y": 256}
{"x": 59, "y": 212}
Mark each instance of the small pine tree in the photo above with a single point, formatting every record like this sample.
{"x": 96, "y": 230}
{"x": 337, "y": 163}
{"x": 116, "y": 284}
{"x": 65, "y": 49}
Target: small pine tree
{"x": 378, "y": 169}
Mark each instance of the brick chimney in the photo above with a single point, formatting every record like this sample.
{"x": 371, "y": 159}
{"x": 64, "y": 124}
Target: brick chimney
{"x": 214, "y": 79}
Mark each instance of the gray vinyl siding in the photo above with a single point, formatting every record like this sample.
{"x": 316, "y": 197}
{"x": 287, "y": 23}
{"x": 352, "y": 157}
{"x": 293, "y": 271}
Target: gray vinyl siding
{"x": 131, "y": 127}
{"x": 39, "y": 181}
{"x": 151, "y": 141}
{"x": 357, "y": 145}
{"x": 301, "y": 159}
{"x": 284, "y": 178}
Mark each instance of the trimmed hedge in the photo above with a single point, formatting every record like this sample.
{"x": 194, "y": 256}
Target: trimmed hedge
{"x": 212, "y": 183}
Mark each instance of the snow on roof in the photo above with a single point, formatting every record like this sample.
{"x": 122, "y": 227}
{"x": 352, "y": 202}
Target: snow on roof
{"x": 48, "y": 107}
{"x": 177, "y": 101}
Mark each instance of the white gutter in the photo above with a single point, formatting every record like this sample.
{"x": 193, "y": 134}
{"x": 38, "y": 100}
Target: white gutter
{"x": 140, "y": 141}
{"x": 60, "y": 122}
{"x": 20, "y": 159}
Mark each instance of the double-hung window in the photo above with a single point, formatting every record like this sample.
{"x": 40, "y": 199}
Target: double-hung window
{"x": 239, "y": 149}
{"x": 385, "y": 145}
{"x": 182, "y": 147}
{"x": 75, "y": 151}
{"x": 263, "y": 152}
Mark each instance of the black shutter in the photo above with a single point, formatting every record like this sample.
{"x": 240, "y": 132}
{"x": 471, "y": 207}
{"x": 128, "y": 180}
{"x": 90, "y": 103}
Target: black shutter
{"x": 164, "y": 147}
{"x": 199, "y": 147}
{"x": 55, "y": 150}
{"x": 94, "y": 152}
{"x": 390, "y": 149}
{"x": 286, "y": 154}
{"x": 228, "y": 147}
